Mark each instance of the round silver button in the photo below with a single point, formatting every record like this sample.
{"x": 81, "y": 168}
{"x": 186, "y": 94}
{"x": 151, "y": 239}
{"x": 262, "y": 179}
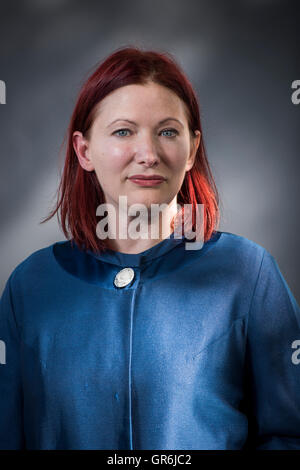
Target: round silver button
{"x": 124, "y": 277}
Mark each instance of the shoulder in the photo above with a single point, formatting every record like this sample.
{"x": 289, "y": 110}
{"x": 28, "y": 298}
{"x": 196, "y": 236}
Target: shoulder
{"x": 240, "y": 244}
{"x": 240, "y": 249}
{"x": 242, "y": 259}
{"x": 247, "y": 256}
{"x": 36, "y": 266}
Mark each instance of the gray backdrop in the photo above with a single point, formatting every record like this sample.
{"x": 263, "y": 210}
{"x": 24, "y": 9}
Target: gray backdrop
{"x": 241, "y": 56}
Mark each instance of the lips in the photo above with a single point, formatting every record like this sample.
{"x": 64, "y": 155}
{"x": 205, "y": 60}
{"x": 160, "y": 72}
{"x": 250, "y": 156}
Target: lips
{"x": 146, "y": 177}
{"x": 147, "y": 181}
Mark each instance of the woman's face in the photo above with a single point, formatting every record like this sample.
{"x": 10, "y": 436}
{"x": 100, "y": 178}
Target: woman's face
{"x": 138, "y": 130}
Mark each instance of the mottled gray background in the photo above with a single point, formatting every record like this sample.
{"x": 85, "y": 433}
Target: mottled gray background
{"x": 241, "y": 57}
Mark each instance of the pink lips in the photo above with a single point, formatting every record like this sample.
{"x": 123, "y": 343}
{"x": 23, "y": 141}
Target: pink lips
{"x": 146, "y": 177}
{"x": 143, "y": 180}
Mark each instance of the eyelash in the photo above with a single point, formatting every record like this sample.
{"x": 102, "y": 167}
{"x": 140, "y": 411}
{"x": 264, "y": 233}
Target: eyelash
{"x": 164, "y": 130}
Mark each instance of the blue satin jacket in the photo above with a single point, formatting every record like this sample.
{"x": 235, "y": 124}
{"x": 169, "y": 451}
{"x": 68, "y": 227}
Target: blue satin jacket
{"x": 200, "y": 350}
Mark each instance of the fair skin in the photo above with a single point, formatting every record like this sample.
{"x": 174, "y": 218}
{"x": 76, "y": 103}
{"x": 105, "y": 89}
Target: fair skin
{"x": 116, "y": 151}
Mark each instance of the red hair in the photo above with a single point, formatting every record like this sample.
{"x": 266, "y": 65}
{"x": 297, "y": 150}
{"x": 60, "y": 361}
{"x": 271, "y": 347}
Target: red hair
{"x": 80, "y": 193}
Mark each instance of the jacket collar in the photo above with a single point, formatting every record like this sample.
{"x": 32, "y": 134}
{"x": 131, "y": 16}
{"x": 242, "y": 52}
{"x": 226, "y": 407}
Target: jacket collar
{"x": 101, "y": 268}
{"x": 138, "y": 259}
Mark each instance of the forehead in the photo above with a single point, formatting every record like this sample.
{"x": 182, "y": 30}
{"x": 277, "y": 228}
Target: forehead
{"x": 132, "y": 101}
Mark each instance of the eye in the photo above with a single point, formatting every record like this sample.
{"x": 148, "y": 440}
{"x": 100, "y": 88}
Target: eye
{"x": 171, "y": 130}
{"x": 121, "y": 130}
{"x": 174, "y": 131}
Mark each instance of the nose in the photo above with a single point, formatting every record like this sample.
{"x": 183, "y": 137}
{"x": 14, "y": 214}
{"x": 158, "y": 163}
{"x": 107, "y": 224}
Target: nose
{"x": 146, "y": 152}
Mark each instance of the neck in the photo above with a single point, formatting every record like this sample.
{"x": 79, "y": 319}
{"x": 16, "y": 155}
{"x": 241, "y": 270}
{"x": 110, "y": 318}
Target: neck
{"x": 134, "y": 234}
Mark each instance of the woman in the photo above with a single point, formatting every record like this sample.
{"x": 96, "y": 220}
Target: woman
{"x": 144, "y": 343}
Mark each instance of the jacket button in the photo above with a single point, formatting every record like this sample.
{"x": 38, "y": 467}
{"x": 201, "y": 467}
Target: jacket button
{"x": 124, "y": 277}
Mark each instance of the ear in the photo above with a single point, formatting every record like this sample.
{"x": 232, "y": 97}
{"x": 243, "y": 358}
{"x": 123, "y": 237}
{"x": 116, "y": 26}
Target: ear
{"x": 195, "y": 142}
{"x": 82, "y": 150}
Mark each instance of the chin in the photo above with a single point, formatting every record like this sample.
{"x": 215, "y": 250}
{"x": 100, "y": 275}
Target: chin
{"x": 148, "y": 202}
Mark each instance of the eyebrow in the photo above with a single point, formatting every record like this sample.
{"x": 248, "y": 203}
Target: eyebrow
{"x": 160, "y": 122}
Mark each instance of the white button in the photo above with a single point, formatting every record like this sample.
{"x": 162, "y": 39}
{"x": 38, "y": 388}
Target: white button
{"x": 124, "y": 277}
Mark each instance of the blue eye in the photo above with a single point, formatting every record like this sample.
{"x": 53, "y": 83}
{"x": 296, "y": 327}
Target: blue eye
{"x": 174, "y": 131}
{"x": 171, "y": 130}
{"x": 121, "y": 130}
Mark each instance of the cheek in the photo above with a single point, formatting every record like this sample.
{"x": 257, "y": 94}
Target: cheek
{"x": 179, "y": 158}
{"x": 111, "y": 158}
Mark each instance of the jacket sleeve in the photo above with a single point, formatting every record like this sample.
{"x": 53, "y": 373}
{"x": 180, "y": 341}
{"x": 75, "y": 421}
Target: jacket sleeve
{"x": 273, "y": 362}
{"x": 11, "y": 405}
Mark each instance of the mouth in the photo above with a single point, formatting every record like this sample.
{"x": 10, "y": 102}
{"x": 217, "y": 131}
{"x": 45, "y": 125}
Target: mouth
{"x": 147, "y": 177}
{"x": 147, "y": 181}
{"x": 151, "y": 180}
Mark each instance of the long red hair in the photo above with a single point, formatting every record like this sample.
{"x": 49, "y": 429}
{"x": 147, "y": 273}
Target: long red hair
{"x": 79, "y": 192}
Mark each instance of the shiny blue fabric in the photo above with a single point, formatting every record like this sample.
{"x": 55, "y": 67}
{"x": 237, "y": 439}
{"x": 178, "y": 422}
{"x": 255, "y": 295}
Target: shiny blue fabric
{"x": 195, "y": 353}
